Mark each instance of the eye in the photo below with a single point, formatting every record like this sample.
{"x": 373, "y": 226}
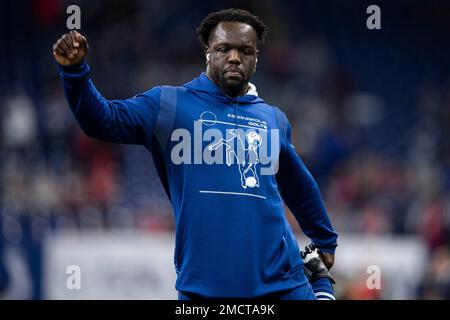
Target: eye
{"x": 247, "y": 51}
{"x": 222, "y": 49}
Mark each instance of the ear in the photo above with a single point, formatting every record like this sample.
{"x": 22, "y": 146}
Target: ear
{"x": 207, "y": 52}
{"x": 256, "y": 60}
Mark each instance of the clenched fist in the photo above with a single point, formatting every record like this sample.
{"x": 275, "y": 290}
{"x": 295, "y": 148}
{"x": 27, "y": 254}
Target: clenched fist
{"x": 72, "y": 48}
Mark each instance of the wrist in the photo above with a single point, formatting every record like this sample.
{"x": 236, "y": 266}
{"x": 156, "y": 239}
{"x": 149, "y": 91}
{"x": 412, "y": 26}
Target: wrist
{"x": 80, "y": 69}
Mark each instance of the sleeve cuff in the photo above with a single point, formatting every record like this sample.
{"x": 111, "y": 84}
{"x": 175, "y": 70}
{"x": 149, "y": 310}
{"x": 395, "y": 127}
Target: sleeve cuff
{"x": 74, "y": 71}
{"x": 331, "y": 248}
{"x": 328, "y": 250}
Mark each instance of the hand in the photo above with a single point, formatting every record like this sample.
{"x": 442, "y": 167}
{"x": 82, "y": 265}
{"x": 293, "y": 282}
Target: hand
{"x": 72, "y": 48}
{"x": 328, "y": 259}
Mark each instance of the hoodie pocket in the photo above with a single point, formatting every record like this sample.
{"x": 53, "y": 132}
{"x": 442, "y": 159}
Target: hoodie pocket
{"x": 279, "y": 264}
{"x": 293, "y": 249}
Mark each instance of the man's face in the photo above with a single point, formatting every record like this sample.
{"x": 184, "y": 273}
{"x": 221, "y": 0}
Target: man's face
{"x": 232, "y": 56}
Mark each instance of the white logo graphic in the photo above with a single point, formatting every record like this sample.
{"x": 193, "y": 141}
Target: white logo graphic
{"x": 208, "y": 118}
{"x": 245, "y": 143}
{"x": 247, "y": 163}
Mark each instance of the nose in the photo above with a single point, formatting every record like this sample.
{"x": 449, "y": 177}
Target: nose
{"x": 234, "y": 57}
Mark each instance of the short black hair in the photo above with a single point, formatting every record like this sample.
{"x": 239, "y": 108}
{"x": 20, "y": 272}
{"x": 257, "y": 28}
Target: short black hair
{"x": 213, "y": 19}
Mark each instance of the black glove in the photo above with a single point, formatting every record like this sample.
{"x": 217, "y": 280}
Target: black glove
{"x": 313, "y": 265}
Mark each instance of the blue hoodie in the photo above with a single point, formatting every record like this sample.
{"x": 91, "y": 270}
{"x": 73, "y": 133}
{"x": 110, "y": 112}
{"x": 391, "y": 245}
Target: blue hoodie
{"x": 232, "y": 236}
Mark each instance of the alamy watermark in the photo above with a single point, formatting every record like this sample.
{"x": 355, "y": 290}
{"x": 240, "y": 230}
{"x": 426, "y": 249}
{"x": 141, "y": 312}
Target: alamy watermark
{"x": 73, "y": 281}
{"x": 374, "y": 280}
{"x": 374, "y": 20}
{"x": 74, "y": 20}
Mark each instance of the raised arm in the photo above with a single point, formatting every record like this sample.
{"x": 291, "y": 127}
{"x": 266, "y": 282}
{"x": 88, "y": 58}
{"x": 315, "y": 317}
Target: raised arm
{"x": 122, "y": 121}
{"x": 301, "y": 194}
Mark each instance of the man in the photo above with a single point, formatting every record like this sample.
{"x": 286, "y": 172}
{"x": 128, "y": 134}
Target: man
{"x": 232, "y": 237}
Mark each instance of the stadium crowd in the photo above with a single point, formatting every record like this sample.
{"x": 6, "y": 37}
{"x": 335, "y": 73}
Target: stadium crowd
{"x": 370, "y": 117}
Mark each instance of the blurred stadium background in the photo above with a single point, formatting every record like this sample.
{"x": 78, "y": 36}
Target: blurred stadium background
{"x": 370, "y": 113}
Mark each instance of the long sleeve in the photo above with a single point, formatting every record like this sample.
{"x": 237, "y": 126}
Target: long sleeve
{"x": 301, "y": 194}
{"x": 130, "y": 121}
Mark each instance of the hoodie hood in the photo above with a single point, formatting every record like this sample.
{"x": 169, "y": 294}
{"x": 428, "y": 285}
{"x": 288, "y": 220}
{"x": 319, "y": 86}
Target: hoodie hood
{"x": 206, "y": 88}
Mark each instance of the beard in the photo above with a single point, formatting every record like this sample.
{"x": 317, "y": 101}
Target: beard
{"x": 234, "y": 86}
